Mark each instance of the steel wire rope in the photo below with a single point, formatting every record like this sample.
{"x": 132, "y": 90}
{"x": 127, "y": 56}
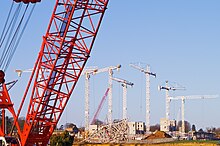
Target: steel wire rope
{"x": 9, "y": 32}
{"x": 4, "y": 28}
{"x": 10, "y": 49}
{"x": 12, "y": 44}
{"x": 20, "y": 36}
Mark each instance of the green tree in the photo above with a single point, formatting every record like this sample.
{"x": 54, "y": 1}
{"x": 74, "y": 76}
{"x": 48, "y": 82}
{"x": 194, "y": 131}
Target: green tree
{"x": 155, "y": 127}
{"x": 187, "y": 125}
{"x": 63, "y": 139}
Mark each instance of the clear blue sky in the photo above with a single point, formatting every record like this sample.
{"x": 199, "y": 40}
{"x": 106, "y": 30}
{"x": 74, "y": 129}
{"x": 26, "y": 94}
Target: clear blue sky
{"x": 179, "y": 39}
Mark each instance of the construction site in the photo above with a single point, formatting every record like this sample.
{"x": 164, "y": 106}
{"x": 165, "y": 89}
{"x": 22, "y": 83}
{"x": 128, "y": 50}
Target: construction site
{"x": 63, "y": 83}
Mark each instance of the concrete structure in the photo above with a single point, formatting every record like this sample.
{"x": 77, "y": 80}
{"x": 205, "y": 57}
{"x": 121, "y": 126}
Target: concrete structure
{"x": 136, "y": 128}
{"x": 167, "y": 125}
{"x": 93, "y": 128}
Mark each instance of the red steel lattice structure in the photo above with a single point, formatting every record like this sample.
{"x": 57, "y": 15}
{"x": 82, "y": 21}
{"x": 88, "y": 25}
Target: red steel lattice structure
{"x": 65, "y": 49}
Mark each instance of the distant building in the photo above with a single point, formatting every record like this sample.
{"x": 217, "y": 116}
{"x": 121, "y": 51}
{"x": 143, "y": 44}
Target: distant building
{"x": 136, "y": 128}
{"x": 203, "y": 135}
{"x": 167, "y": 125}
{"x": 72, "y": 130}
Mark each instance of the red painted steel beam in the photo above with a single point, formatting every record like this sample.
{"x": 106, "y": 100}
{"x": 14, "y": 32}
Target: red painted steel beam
{"x": 65, "y": 49}
{"x": 99, "y": 107}
{"x": 6, "y": 103}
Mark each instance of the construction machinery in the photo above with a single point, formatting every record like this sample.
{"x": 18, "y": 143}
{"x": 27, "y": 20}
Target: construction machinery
{"x": 183, "y": 98}
{"x": 87, "y": 73}
{"x": 64, "y": 52}
{"x": 110, "y": 70}
{"x": 147, "y": 73}
{"x": 124, "y": 84}
{"x": 99, "y": 107}
{"x": 168, "y": 88}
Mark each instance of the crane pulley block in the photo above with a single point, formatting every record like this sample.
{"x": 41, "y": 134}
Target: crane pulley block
{"x": 27, "y": 1}
{"x": 2, "y": 76}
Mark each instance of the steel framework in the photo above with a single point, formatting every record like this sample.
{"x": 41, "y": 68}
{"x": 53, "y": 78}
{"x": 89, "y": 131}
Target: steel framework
{"x": 111, "y": 133}
{"x": 99, "y": 107}
{"x": 65, "y": 49}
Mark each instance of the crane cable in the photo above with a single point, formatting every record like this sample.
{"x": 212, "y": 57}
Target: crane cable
{"x": 8, "y": 34}
{"x": 3, "y": 32}
{"x": 13, "y": 36}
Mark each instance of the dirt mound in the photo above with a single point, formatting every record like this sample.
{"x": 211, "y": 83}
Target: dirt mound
{"x": 158, "y": 134}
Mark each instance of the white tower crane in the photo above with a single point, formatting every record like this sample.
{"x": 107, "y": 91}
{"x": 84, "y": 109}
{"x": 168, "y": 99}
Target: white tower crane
{"x": 147, "y": 73}
{"x": 167, "y": 88}
{"x": 124, "y": 84}
{"x": 19, "y": 71}
{"x": 183, "y": 98}
{"x": 87, "y": 73}
{"x": 110, "y": 73}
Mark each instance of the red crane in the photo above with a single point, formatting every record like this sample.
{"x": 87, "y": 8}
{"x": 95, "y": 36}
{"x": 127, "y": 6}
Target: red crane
{"x": 99, "y": 107}
{"x": 64, "y": 52}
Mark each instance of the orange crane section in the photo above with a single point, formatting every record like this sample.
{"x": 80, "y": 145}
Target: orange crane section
{"x": 64, "y": 52}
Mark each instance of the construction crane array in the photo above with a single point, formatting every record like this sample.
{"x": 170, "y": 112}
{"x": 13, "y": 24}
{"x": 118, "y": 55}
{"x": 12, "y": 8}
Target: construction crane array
{"x": 110, "y": 70}
{"x": 168, "y": 88}
{"x": 124, "y": 84}
{"x": 87, "y": 73}
{"x": 183, "y": 98}
{"x": 147, "y": 73}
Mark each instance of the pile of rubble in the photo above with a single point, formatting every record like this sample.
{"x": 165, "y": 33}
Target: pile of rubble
{"x": 158, "y": 135}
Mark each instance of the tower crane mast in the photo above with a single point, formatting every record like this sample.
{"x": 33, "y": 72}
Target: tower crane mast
{"x": 124, "y": 84}
{"x": 64, "y": 52}
{"x": 183, "y": 98}
{"x": 87, "y": 73}
{"x": 147, "y": 74}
